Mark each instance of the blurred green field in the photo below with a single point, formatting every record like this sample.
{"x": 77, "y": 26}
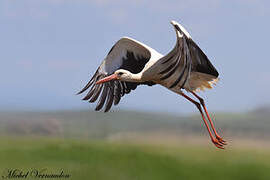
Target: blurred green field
{"x": 106, "y": 160}
{"x": 130, "y": 145}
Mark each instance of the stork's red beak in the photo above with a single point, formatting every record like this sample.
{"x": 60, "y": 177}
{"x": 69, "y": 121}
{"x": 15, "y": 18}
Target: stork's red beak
{"x": 106, "y": 79}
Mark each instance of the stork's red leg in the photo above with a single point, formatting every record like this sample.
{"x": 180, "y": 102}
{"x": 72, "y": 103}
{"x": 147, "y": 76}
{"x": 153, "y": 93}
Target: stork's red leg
{"x": 214, "y": 140}
{"x": 209, "y": 119}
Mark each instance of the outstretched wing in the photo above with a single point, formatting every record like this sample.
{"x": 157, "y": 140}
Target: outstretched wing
{"x": 127, "y": 54}
{"x": 186, "y": 57}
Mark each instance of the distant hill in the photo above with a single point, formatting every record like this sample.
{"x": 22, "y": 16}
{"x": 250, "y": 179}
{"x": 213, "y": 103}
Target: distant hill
{"x": 90, "y": 124}
{"x": 262, "y": 110}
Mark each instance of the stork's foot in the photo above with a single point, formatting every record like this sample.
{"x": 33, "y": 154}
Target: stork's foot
{"x": 217, "y": 143}
{"x": 220, "y": 140}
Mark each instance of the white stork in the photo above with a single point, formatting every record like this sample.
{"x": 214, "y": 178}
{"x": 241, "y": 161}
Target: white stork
{"x": 130, "y": 63}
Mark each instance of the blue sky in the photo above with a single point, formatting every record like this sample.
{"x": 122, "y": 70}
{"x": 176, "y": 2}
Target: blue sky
{"x": 49, "y": 49}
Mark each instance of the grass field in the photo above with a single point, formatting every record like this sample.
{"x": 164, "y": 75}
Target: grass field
{"x": 100, "y": 160}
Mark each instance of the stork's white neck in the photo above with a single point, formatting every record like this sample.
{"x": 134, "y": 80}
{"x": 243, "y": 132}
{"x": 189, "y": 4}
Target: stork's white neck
{"x": 130, "y": 77}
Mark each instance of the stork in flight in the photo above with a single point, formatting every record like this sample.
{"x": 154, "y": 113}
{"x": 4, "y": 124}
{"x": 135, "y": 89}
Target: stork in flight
{"x": 130, "y": 63}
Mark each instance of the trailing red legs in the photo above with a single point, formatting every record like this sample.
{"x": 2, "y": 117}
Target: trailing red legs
{"x": 218, "y": 141}
{"x": 209, "y": 119}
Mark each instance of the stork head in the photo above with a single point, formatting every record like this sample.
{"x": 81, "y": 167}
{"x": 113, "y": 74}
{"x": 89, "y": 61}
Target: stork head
{"x": 120, "y": 74}
{"x": 180, "y": 30}
{"x": 123, "y": 75}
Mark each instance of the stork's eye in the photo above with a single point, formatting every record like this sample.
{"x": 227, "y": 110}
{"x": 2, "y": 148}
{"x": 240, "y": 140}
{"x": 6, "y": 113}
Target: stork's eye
{"x": 120, "y": 73}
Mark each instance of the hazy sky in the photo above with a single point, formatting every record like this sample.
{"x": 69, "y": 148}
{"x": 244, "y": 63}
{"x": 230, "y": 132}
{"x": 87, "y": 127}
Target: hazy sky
{"x": 50, "y": 48}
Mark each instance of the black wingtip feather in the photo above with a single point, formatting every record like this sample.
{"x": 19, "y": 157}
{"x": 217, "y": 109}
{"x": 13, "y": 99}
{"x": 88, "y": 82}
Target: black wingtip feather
{"x": 96, "y": 93}
{"x": 117, "y": 92}
{"x": 205, "y": 66}
{"x": 102, "y": 97}
{"x": 85, "y": 87}
{"x": 90, "y": 93}
{"x": 109, "y": 98}
{"x": 90, "y": 82}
